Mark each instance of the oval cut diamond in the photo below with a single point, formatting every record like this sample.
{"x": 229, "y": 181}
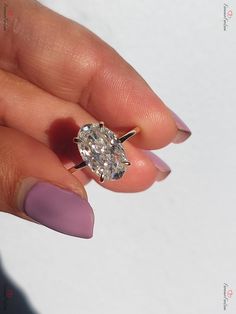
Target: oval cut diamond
{"x": 102, "y": 151}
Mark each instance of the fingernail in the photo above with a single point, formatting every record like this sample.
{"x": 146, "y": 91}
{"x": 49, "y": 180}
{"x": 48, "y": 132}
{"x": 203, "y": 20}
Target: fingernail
{"x": 59, "y": 209}
{"x": 163, "y": 170}
{"x": 183, "y": 130}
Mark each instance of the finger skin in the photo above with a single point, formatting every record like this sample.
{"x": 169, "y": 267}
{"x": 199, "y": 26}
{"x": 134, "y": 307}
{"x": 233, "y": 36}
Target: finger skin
{"x": 55, "y": 122}
{"x": 72, "y": 63}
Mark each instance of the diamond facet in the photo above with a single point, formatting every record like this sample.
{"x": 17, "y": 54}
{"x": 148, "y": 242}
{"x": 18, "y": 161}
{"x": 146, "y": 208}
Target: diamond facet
{"x": 102, "y": 151}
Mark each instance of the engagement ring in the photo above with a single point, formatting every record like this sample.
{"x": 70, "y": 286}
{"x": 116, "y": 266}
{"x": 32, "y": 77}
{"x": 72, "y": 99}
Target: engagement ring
{"x": 102, "y": 151}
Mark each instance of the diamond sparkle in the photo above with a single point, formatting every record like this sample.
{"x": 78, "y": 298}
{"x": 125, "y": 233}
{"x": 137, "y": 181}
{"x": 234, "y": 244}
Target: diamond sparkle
{"x": 102, "y": 151}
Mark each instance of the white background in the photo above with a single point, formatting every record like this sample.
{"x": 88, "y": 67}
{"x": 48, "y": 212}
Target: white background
{"x": 170, "y": 249}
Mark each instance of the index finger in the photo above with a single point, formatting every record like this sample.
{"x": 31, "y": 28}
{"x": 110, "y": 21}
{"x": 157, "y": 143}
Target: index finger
{"x": 67, "y": 60}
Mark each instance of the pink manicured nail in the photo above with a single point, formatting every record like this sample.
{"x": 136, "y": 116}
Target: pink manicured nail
{"x": 163, "y": 170}
{"x": 183, "y": 130}
{"x": 59, "y": 209}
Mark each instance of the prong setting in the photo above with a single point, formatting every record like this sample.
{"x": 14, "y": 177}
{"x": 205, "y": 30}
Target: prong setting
{"x": 76, "y": 140}
{"x": 81, "y": 165}
{"x": 102, "y": 178}
{"x": 102, "y": 151}
{"x": 101, "y": 124}
{"x": 126, "y": 162}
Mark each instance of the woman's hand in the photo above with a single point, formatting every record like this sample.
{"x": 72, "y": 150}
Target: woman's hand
{"x": 55, "y": 76}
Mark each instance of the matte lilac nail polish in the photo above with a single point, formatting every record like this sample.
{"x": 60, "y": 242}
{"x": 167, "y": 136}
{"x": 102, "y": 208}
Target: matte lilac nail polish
{"x": 183, "y": 130}
{"x": 59, "y": 209}
{"x": 163, "y": 170}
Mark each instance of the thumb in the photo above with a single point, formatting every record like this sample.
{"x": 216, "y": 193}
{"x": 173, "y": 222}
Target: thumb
{"x": 34, "y": 185}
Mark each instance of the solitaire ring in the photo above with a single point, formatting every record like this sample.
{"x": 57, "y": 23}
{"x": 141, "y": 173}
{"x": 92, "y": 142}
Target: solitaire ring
{"x": 102, "y": 151}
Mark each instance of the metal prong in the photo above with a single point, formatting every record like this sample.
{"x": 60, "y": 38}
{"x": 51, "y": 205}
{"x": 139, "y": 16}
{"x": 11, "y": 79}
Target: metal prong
{"x": 129, "y": 134}
{"x": 126, "y": 163}
{"x": 101, "y": 124}
{"x": 76, "y": 167}
{"x": 102, "y": 178}
{"x": 76, "y": 140}
{"x": 81, "y": 165}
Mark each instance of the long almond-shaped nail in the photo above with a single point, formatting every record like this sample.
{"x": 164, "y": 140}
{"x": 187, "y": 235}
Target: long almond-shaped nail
{"x": 59, "y": 209}
{"x": 163, "y": 170}
{"x": 183, "y": 132}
